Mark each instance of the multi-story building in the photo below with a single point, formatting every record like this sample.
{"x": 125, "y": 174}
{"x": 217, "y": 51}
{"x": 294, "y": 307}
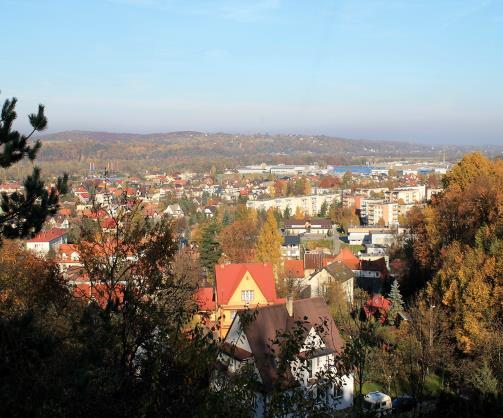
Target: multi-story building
{"x": 310, "y": 205}
{"x": 280, "y": 169}
{"x": 374, "y": 212}
{"x": 406, "y": 195}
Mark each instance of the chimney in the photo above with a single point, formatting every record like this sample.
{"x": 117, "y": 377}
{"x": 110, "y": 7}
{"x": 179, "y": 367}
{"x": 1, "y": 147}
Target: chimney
{"x": 289, "y": 305}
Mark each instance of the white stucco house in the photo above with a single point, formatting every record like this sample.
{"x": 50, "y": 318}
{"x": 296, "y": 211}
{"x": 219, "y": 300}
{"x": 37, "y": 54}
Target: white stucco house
{"x": 44, "y": 241}
{"x": 252, "y": 344}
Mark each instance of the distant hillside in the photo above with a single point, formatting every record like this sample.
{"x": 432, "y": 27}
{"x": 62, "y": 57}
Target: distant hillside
{"x": 199, "y": 151}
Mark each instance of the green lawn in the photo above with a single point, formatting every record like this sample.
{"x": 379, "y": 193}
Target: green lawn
{"x": 323, "y": 243}
{"x": 354, "y": 248}
{"x": 433, "y": 387}
{"x": 372, "y": 387}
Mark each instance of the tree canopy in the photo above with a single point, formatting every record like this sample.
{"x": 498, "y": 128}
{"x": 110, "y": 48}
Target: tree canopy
{"x": 24, "y": 213}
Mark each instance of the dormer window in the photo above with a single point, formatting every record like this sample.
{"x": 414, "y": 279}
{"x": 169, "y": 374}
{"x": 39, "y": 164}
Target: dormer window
{"x": 247, "y": 295}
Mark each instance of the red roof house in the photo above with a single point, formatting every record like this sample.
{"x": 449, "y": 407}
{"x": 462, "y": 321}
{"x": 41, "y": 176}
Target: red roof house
{"x": 242, "y": 286}
{"x": 205, "y": 299}
{"x": 347, "y": 257}
{"x": 294, "y": 269}
{"x": 378, "y": 307}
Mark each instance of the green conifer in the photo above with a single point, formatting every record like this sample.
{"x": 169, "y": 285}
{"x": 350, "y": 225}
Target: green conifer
{"x": 396, "y": 302}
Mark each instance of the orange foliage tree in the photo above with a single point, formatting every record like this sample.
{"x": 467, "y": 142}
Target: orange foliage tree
{"x": 455, "y": 246}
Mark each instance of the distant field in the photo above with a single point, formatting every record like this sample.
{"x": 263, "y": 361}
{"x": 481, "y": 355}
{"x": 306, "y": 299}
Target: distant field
{"x": 132, "y": 154}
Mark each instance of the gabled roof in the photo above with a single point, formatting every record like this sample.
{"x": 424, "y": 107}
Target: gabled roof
{"x": 348, "y": 258}
{"x": 313, "y": 260}
{"x": 66, "y": 250}
{"x": 340, "y": 271}
{"x": 275, "y": 318}
{"x": 228, "y": 277}
{"x": 109, "y": 223}
{"x": 294, "y": 268}
{"x": 375, "y": 265}
{"x": 204, "y": 298}
{"x": 48, "y": 236}
{"x": 378, "y": 303}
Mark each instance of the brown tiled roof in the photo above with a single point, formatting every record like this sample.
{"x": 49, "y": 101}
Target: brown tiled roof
{"x": 339, "y": 271}
{"x": 294, "y": 268}
{"x": 235, "y": 351}
{"x": 375, "y": 265}
{"x": 313, "y": 260}
{"x": 275, "y": 318}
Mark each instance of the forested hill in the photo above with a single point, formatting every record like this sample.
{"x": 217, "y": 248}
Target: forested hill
{"x": 198, "y": 150}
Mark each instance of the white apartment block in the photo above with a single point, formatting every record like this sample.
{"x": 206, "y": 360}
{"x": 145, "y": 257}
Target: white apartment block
{"x": 375, "y": 210}
{"x": 310, "y": 205}
{"x": 415, "y": 194}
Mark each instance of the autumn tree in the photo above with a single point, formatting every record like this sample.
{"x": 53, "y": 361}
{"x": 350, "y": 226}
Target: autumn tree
{"x": 299, "y": 213}
{"x": 343, "y": 216}
{"x": 346, "y": 180}
{"x": 22, "y": 214}
{"x": 280, "y": 188}
{"x": 268, "y": 248}
{"x": 423, "y": 346}
{"x": 244, "y": 213}
{"x": 238, "y": 240}
{"x": 454, "y": 246}
{"x": 361, "y": 341}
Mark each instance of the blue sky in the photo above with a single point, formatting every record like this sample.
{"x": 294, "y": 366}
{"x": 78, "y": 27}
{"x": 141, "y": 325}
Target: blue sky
{"x": 428, "y": 71}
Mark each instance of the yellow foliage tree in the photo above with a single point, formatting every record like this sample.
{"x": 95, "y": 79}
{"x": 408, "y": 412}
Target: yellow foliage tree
{"x": 269, "y": 242}
{"x": 299, "y": 213}
{"x": 456, "y": 244}
{"x": 465, "y": 284}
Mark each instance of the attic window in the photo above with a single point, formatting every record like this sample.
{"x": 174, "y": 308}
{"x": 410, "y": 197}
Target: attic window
{"x": 247, "y": 295}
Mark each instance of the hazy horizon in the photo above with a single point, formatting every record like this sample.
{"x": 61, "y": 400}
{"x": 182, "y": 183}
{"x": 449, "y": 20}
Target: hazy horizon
{"x": 426, "y": 72}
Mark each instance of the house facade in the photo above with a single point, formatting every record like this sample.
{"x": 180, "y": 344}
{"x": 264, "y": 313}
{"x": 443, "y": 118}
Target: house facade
{"x": 44, "y": 241}
{"x": 254, "y": 345}
{"x": 315, "y": 226}
{"x": 290, "y": 249}
{"x": 336, "y": 272}
{"x": 242, "y": 286}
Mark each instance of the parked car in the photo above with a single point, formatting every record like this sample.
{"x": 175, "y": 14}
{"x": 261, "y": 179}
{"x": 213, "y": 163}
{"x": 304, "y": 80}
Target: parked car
{"x": 377, "y": 404}
{"x": 403, "y": 403}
